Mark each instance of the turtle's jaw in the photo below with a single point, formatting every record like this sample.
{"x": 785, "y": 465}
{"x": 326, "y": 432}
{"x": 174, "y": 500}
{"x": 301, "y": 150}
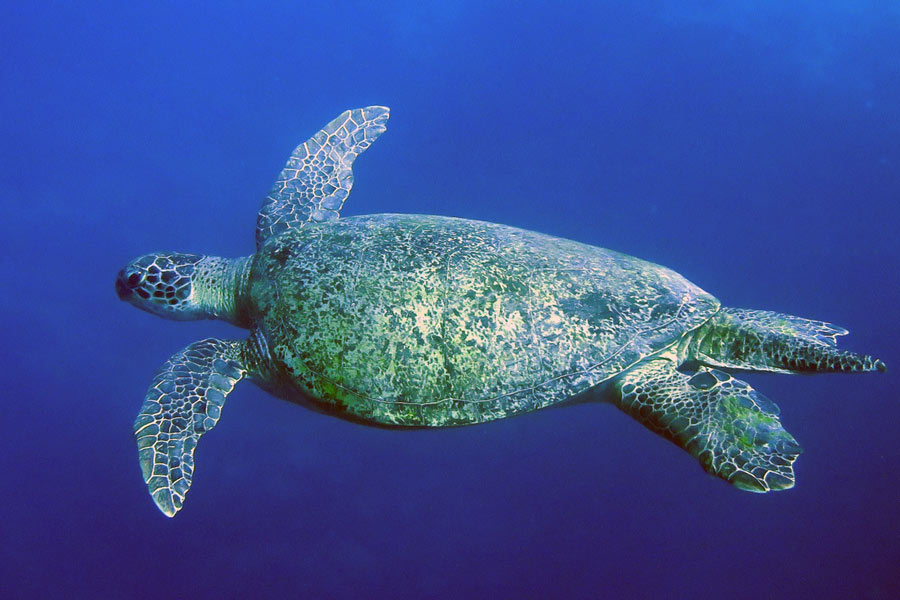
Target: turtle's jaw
{"x": 122, "y": 290}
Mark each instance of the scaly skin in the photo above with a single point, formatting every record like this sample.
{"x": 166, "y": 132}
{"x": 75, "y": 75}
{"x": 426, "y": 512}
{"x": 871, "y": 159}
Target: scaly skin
{"x": 405, "y": 320}
{"x": 733, "y": 430}
{"x": 433, "y": 321}
{"x": 738, "y": 338}
{"x": 317, "y": 177}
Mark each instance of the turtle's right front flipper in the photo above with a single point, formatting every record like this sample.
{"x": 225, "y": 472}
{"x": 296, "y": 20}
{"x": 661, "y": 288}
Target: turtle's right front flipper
{"x": 733, "y": 430}
{"x": 184, "y": 401}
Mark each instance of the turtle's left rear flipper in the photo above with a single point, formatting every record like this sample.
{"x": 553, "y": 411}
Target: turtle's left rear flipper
{"x": 730, "y": 428}
{"x": 761, "y": 340}
{"x": 184, "y": 401}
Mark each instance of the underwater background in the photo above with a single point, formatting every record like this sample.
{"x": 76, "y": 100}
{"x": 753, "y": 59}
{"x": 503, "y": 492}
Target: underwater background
{"x": 753, "y": 147}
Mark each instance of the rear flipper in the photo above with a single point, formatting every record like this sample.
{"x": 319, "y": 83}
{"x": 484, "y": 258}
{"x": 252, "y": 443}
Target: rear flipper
{"x": 729, "y": 427}
{"x": 760, "y": 340}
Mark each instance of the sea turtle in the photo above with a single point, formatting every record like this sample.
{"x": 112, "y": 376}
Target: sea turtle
{"x": 429, "y": 321}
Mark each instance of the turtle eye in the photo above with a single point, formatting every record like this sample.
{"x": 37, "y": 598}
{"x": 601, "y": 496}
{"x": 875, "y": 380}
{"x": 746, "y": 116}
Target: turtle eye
{"x": 133, "y": 280}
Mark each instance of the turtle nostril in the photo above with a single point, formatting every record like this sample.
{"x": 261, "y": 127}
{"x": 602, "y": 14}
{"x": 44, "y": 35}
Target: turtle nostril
{"x": 133, "y": 280}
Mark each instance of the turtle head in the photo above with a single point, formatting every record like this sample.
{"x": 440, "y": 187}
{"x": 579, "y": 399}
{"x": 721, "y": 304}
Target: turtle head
{"x": 185, "y": 287}
{"x": 162, "y": 284}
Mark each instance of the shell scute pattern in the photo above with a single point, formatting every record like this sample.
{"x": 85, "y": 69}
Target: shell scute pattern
{"x": 415, "y": 320}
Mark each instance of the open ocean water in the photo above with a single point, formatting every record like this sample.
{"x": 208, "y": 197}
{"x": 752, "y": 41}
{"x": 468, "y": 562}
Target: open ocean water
{"x": 753, "y": 147}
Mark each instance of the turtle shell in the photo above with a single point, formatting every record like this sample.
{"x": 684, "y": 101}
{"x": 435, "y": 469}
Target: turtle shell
{"x": 435, "y": 321}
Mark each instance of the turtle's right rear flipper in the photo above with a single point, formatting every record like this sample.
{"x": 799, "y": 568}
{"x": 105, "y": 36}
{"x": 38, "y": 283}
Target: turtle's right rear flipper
{"x": 184, "y": 401}
{"x": 733, "y": 430}
{"x": 760, "y": 340}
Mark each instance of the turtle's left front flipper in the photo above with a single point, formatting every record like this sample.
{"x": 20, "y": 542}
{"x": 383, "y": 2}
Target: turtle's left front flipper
{"x": 184, "y": 401}
{"x": 318, "y": 176}
{"x": 728, "y": 426}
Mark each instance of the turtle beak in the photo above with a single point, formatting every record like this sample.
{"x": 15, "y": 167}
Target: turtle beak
{"x": 121, "y": 289}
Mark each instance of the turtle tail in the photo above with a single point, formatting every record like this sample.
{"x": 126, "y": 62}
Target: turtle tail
{"x": 767, "y": 341}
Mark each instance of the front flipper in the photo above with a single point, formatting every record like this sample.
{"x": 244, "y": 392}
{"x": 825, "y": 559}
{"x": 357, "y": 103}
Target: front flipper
{"x": 184, "y": 401}
{"x": 318, "y": 176}
{"x": 730, "y": 428}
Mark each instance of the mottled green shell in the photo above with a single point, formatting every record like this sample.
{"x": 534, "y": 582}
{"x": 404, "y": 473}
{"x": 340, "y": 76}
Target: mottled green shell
{"x": 435, "y": 321}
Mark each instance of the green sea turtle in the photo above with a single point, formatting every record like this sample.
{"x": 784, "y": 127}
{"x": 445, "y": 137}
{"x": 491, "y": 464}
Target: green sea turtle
{"x": 428, "y": 321}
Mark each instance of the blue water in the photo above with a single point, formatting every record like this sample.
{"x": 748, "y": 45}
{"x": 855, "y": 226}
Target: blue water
{"x": 754, "y": 149}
